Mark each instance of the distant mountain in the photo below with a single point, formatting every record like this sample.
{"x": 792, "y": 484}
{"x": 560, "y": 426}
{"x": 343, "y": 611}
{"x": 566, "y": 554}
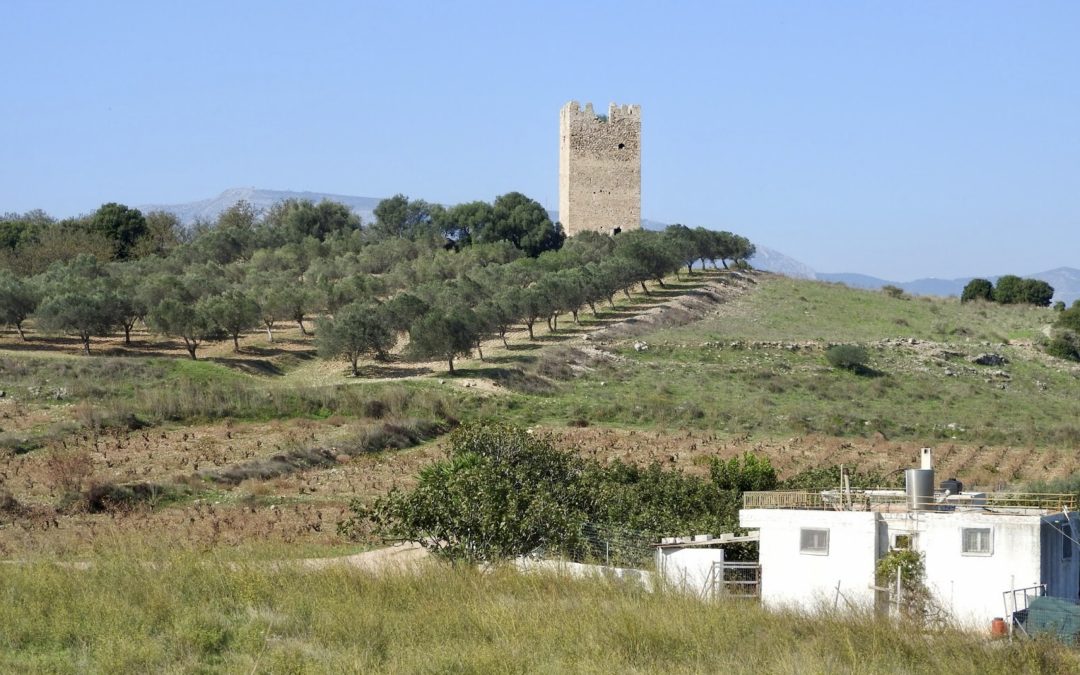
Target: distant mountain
{"x": 262, "y": 200}
{"x": 1065, "y": 280}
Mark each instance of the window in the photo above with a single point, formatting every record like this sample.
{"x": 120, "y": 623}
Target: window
{"x": 977, "y": 541}
{"x": 814, "y": 541}
{"x": 1066, "y": 540}
{"x": 902, "y": 541}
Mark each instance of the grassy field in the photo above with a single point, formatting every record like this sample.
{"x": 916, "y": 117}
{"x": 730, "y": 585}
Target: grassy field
{"x": 238, "y": 460}
{"x": 216, "y": 613}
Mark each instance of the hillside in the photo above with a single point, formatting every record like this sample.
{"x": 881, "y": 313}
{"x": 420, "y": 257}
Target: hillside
{"x": 709, "y": 366}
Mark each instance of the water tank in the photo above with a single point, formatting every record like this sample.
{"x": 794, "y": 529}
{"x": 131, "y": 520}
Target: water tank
{"x": 920, "y": 489}
{"x": 952, "y": 486}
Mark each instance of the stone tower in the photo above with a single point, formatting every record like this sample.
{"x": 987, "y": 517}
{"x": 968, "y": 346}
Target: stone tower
{"x": 599, "y": 168}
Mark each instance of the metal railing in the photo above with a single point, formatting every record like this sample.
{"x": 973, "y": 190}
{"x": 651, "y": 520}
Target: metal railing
{"x": 893, "y": 500}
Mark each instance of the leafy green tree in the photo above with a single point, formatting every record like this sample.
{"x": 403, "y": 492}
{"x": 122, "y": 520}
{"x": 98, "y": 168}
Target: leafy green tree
{"x": 1009, "y": 290}
{"x": 977, "y": 289}
{"x": 164, "y": 232}
{"x": 399, "y": 216}
{"x": 18, "y": 230}
{"x": 499, "y": 493}
{"x": 119, "y": 224}
{"x": 356, "y": 329}
{"x": 233, "y": 312}
{"x": 87, "y": 311}
{"x": 654, "y": 254}
{"x": 462, "y": 221}
{"x": 1037, "y": 292}
{"x": 18, "y": 300}
{"x": 296, "y": 219}
{"x": 127, "y": 279}
{"x": 524, "y": 223}
{"x": 177, "y": 318}
{"x": 686, "y": 244}
{"x": 401, "y": 312}
{"x": 445, "y": 334}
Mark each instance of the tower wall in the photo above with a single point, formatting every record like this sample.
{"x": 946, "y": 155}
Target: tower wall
{"x": 599, "y": 168}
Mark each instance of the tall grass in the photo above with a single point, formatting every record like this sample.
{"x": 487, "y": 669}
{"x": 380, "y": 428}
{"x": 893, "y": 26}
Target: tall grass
{"x": 182, "y": 612}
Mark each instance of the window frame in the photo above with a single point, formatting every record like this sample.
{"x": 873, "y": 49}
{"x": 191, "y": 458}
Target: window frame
{"x": 804, "y": 531}
{"x": 989, "y": 551}
{"x": 1066, "y": 530}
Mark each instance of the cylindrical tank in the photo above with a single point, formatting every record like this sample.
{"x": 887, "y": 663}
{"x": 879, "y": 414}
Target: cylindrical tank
{"x": 952, "y": 486}
{"x": 920, "y": 489}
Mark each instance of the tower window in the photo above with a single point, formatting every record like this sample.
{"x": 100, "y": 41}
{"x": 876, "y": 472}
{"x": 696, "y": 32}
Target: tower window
{"x": 622, "y": 145}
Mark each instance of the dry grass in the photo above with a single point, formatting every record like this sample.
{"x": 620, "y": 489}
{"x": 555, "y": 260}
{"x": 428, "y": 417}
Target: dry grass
{"x": 153, "y": 612}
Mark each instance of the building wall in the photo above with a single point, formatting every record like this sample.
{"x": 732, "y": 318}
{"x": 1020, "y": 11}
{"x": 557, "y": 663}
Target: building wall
{"x": 687, "y": 568}
{"x": 790, "y": 578}
{"x": 599, "y": 168}
{"x": 971, "y": 586}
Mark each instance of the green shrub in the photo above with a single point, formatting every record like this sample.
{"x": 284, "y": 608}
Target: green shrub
{"x": 848, "y": 357}
{"x": 1064, "y": 345}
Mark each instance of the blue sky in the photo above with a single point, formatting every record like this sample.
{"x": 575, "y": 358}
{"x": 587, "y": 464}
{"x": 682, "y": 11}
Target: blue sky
{"x": 900, "y": 139}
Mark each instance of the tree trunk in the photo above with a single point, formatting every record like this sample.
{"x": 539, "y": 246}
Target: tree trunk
{"x": 626, "y": 292}
{"x": 127, "y": 332}
{"x": 550, "y": 327}
{"x": 269, "y": 333}
{"x": 302, "y": 329}
{"x": 689, "y": 268}
{"x": 355, "y": 370}
{"x": 450, "y": 360}
{"x": 555, "y": 319}
{"x": 85, "y": 343}
{"x": 611, "y": 300}
{"x": 660, "y": 281}
{"x": 592, "y": 306}
{"x": 18, "y": 327}
{"x": 236, "y": 343}
{"x": 191, "y": 346}
{"x": 502, "y": 334}
{"x": 644, "y": 289}
{"x": 479, "y": 350}
{"x": 529, "y": 325}
{"x": 724, "y": 262}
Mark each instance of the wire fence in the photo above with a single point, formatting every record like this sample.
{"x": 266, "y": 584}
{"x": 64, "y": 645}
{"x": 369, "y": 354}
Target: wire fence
{"x": 615, "y": 546}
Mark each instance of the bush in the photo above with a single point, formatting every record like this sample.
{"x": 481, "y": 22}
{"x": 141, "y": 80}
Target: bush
{"x": 1064, "y": 345}
{"x": 892, "y": 291}
{"x": 848, "y": 357}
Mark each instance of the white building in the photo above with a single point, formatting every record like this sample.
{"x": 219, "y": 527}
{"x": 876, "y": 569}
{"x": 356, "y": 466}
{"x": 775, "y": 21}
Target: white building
{"x": 821, "y": 549}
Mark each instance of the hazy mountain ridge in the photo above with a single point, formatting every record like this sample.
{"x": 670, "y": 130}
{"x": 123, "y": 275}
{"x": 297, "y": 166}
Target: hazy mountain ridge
{"x": 262, "y": 200}
{"x": 1065, "y": 280}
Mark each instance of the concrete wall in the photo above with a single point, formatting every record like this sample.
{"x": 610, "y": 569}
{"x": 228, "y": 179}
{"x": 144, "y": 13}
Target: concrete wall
{"x": 687, "y": 568}
{"x": 790, "y": 578}
{"x": 599, "y": 168}
{"x": 971, "y": 586}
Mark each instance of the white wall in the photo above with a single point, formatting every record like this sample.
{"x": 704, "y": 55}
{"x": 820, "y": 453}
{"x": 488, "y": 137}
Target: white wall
{"x": 790, "y": 578}
{"x": 971, "y": 586}
{"x": 687, "y": 568}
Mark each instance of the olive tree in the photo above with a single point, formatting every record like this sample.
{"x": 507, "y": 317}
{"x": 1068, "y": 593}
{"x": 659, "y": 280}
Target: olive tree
{"x": 356, "y": 329}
